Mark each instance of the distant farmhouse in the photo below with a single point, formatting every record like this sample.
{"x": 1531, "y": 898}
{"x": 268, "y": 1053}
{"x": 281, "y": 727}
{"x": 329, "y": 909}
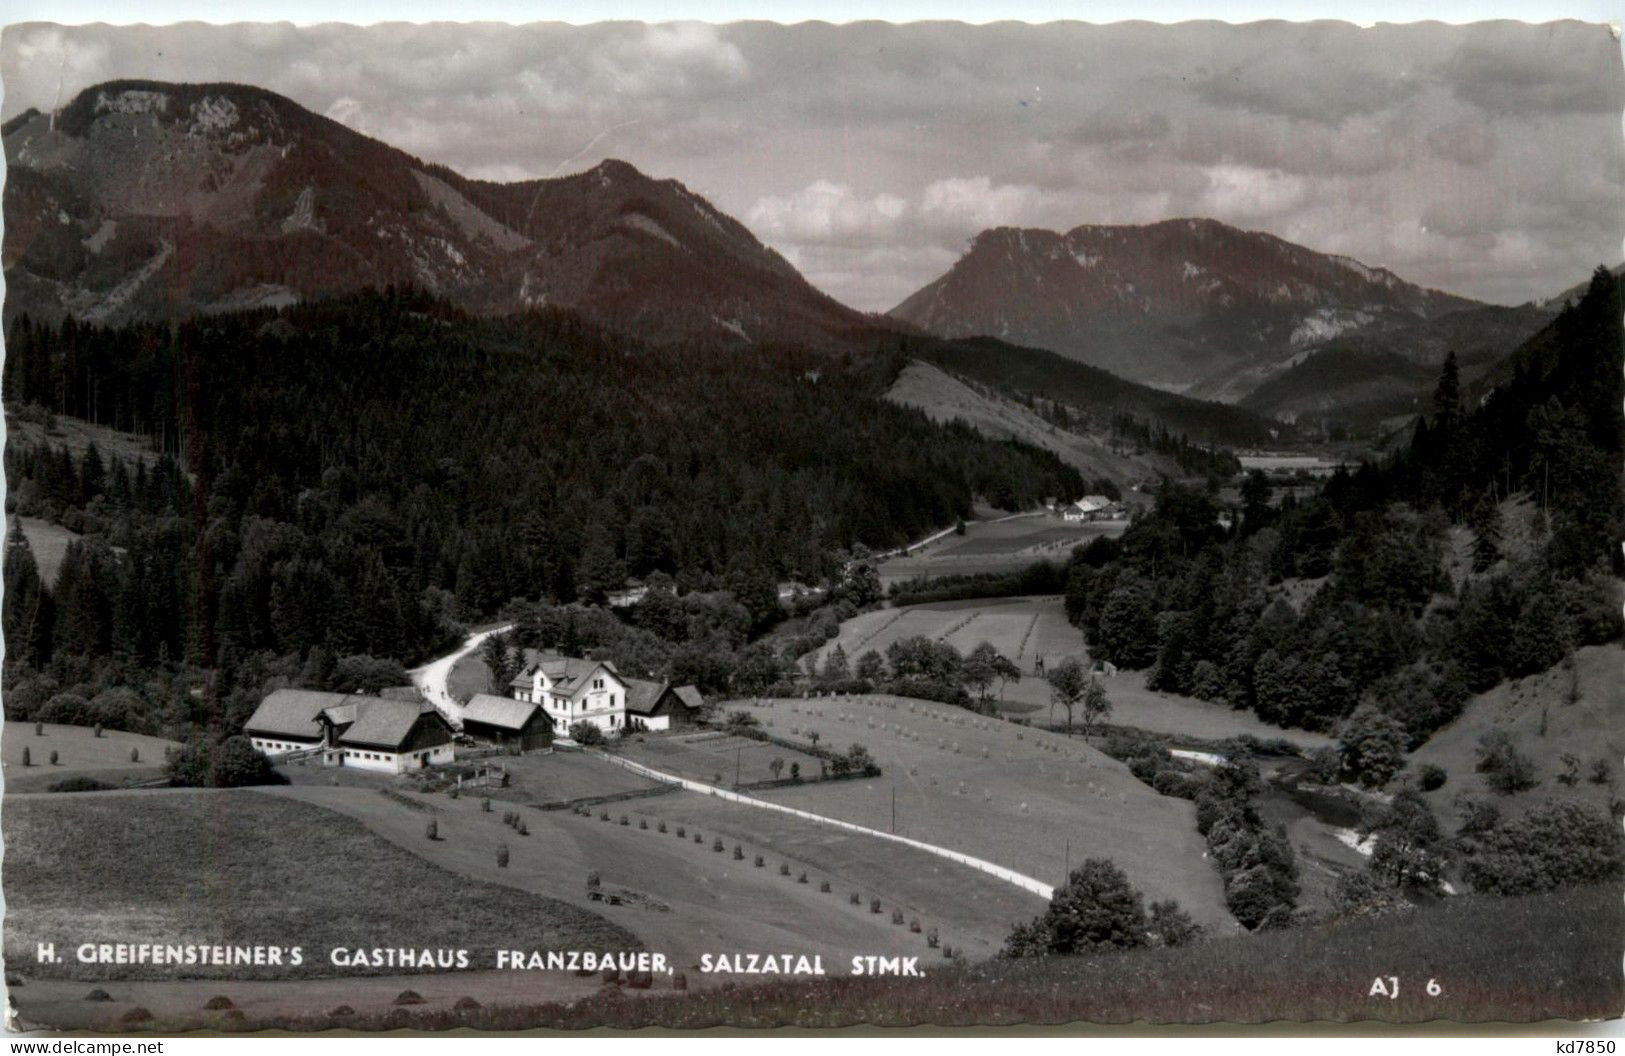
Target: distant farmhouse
{"x": 566, "y": 691}
{"x": 1092, "y": 508}
{"x": 368, "y": 733}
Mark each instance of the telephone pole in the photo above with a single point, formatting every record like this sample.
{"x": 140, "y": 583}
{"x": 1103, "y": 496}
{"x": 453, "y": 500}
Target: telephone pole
{"x": 894, "y": 808}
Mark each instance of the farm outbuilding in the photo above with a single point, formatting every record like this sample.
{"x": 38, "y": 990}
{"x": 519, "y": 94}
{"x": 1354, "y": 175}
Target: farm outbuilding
{"x": 661, "y": 705}
{"x": 368, "y": 733}
{"x": 516, "y": 725}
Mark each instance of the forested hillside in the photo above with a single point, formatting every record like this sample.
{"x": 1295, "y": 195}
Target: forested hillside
{"x": 1386, "y": 635}
{"x": 357, "y": 476}
{"x": 1029, "y": 372}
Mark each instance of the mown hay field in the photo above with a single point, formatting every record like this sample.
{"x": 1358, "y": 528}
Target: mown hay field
{"x": 678, "y": 894}
{"x": 1022, "y": 629}
{"x": 971, "y": 911}
{"x": 1000, "y": 545}
{"x": 240, "y": 867}
{"x": 80, "y": 753}
{"x": 1022, "y": 798}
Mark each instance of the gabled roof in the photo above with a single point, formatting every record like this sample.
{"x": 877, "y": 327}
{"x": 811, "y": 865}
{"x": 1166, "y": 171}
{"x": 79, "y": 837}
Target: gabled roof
{"x": 384, "y": 723}
{"x": 292, "y": 712}
{"x": 642, "y": 695}
{"x": 408, "y": 693}
{"x": 493, "y": 710}
{"x": 565, "y": 672}
{"x": 369, "y": 720}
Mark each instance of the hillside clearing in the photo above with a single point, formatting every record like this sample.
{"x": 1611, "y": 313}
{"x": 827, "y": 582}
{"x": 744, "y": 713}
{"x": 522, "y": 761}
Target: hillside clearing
{"x": 945, "y": 398}
{"x": 1589, "y": 729}
{"x": 49, "y": 544}
{"x": 32, "y": 426}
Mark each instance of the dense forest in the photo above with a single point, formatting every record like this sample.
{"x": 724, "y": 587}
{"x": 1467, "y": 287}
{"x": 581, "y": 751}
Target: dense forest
{"x": 1386, "y": 630}
{"x": 356, "y": 477}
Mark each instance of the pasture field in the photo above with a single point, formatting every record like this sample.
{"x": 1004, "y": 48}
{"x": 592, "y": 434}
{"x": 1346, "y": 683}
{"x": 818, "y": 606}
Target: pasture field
{"x": 561, "y": 776}
{"x": 1022, "y": 629}
{"x": 240, "y": 867}
{"x": 971, "y": 911}
{"x": 80, "y": 753}
{"x": 49, "y": 543}
{"x": 1544, "y": 725}
{"x": 1541, "y": 957}
{"x": 1022, "y": 798}
{"x": 1002, "y": 545}
{"x": 710, "y": 755}
{"x": 677, "y": 895}
{"x": 1158, "y": 712}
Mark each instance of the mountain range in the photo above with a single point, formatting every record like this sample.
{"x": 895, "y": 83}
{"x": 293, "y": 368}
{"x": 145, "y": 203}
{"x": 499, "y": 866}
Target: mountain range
{"x": 144, "y": 199}
{"x": 1191, "y": 305}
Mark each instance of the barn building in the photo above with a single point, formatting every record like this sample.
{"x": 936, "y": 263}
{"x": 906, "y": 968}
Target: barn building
{"x": 367, "y": 733}
{"x": 660, "y": 705}
{"x": 516, "y": 725}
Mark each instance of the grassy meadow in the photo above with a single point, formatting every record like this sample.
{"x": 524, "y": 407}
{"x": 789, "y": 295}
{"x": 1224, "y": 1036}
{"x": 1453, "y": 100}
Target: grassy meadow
{"x": 240, "y": 867}
{"x": 1019, "y": 797}
{"x": 1558, "y": 712}
{"x": 80, "y": 753}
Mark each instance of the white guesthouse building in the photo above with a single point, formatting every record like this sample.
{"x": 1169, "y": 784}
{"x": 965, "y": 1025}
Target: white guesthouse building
{"x": 571, "y": 691}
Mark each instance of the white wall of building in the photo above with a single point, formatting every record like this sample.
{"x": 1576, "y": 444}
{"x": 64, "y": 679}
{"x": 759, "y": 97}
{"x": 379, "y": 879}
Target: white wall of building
{"x": 394, "y": 762}
{"x": 273, "y": 746}
{"x": 602, "y": 702}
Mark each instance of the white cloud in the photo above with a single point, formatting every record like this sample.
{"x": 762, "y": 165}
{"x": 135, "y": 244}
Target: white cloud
{"x": 825, "y": 211}
{"x": 971, "y": 204}
{"x": 1241, "y": 193}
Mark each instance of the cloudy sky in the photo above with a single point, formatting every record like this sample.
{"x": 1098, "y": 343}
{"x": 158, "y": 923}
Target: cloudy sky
{"x": 1486, "y": 160}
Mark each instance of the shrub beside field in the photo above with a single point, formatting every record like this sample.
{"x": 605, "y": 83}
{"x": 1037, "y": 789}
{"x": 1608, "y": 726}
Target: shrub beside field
{"x": 124, "y": 867}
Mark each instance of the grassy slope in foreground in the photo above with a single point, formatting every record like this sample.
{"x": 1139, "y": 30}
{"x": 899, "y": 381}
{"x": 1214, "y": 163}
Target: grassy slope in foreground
{"x": 238, "y": 867}
{"x": 1553, "y": 956}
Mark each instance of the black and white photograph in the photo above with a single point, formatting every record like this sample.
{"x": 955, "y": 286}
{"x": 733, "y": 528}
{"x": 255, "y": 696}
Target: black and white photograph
{"x": 791, "y": 524}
